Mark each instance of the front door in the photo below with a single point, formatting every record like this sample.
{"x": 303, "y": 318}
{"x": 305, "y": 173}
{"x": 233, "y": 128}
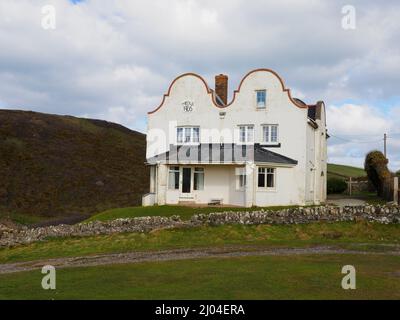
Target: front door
{"x": 186, "y": 179}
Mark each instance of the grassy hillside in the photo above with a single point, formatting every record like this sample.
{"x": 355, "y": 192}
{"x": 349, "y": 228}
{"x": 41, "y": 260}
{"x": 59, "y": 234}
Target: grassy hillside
{"x": 338, "y": 171}
{"x": 61, "y": 166}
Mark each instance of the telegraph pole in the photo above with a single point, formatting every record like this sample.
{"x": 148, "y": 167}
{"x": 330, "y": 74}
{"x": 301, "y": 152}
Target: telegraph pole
{"x": 384, "y": 144}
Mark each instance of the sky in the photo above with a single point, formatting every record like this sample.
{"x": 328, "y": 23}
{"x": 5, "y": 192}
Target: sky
{"x": 114, "y": 60}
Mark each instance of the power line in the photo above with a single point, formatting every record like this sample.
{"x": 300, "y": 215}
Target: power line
{"x": 355, "y": 141}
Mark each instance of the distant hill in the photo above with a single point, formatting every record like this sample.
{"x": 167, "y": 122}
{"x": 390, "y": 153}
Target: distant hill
{"x": 341, "y": 171}
{"x": 61, "y": 165}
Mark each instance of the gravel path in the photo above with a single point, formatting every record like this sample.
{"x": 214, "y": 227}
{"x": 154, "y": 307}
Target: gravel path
{"x": 181, "y": 254}
{"x": 346, "y": 202}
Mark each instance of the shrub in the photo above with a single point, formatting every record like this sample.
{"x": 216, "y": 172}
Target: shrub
{"x": 336, "y": 185}
{"x": 378, "y": 174}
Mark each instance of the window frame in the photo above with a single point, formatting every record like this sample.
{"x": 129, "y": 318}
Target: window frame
{"x": 175, "y": 170}
{"x": 198, "y": 170}
{"x": 242, "y": 177}
{"x": 266, "y": 172}
{"x": 246, "y": 133}
{"x": 181, "y": 137}
{"x": 264, "y": 106}
{"x": 269, "y": 138}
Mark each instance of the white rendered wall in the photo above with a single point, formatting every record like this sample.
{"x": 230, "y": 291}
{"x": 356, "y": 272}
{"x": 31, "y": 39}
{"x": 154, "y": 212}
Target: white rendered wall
{"x": 292, "y": 121}
{"x": 219, "y": 182}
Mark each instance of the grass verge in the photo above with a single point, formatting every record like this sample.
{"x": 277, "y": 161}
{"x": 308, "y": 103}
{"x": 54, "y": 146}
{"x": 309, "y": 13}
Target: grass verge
{"x": 269, "y": 277}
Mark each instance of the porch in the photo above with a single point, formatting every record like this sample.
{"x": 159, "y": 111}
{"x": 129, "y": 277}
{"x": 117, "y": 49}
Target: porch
{"x": 199, "y": 184}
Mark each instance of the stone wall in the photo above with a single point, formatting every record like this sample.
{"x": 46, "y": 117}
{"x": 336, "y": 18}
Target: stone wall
{"x": 379, "y": 214}
{"x": 11, "y": 237}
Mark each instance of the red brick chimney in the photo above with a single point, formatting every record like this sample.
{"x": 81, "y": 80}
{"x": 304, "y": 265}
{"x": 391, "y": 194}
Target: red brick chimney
{"x": 221, "y": 87}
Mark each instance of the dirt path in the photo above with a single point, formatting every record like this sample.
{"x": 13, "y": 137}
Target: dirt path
{"x": 181, "y": 254}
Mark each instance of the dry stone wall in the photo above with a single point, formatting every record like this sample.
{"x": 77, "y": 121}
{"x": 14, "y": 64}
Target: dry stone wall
{"x": 380, "y": 214}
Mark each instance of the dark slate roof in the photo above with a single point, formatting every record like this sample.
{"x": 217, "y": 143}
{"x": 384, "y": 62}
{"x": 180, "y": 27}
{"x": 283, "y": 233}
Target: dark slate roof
{"x": 220, "y": 153}
{"x": 300, "y": 101}
{"x": 265, "y": 155}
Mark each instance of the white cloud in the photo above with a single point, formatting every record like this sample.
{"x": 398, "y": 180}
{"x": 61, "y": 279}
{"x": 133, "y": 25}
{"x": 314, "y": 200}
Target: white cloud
{"x": 115, "y": 59}
{"x": 351, "y": 119}
{"x": 357, "y": 129}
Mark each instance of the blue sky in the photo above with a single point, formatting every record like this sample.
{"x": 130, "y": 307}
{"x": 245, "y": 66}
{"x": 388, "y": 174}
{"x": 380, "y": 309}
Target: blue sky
{"x": 114, "y": 60}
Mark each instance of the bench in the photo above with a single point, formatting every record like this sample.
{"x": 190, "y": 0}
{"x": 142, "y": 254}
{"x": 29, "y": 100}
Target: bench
{"x": 215, "y": 201}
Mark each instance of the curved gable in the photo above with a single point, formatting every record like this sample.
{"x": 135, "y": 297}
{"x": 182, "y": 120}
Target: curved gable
{"x": 236, "y": 92}
{"x": 181, "y": 78}
{"x": 279, "y": 80}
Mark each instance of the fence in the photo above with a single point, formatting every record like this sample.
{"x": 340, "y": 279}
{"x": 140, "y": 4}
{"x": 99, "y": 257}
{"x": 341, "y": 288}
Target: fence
{"x": 390, "y": 188}
{"x": 356, "y": 185}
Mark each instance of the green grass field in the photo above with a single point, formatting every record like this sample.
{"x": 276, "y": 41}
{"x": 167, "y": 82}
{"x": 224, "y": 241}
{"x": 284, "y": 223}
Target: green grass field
{"x": 341, "y": 171}
{"x": 345, "y": 234}
{"x": 251, "y": 277}
{"x": 269, "y": 277}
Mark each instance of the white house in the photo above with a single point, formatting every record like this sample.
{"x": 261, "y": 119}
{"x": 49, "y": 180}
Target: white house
{"x": 263, "y": 148}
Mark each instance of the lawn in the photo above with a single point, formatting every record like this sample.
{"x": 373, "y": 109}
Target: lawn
{"x": 268, "y": 277}
{"x": 345, "y": 234}
{"x": 185, "y": 212}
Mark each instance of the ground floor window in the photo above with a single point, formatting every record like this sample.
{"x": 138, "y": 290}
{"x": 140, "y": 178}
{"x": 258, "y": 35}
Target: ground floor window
{"x": 242, "y": 181}
{"x": 198, "y": 177}
{"x": 173, "y": 178}
{"x": 266, "y": 177}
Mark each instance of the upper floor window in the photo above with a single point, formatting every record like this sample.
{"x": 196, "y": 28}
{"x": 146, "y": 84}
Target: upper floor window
{"x": 187, "y": 135}
{"x": 270, "y": 133}
{"x": 246, "y": 134}
{"x": 261, "y": 96}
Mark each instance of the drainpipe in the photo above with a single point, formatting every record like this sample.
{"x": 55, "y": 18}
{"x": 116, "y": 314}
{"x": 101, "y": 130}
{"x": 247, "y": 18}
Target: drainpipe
{"x": 156, "y": 181}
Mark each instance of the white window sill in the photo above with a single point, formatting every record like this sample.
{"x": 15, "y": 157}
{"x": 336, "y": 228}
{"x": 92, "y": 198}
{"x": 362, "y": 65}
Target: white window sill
{"x": 266, "y": 189}
{"x": 187, "y": 144}
{"x": 270, "y": 143}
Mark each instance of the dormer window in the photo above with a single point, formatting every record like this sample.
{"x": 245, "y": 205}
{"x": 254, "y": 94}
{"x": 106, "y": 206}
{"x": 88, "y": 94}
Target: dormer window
{"x": 261, "y": 97}
{"x": 187, "y": 135}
